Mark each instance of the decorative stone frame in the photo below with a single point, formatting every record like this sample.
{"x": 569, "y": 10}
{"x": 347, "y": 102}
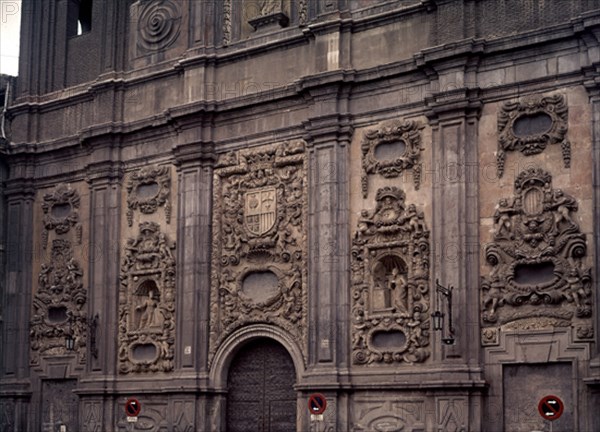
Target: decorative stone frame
{"x": 536, "y": 228}
{"x": 554, "y": 107}
{"x": 395, "y": 238}
{"x": 408, "y": 132}
{"x": 63, "y": 195}
{"x": 161, "y": 176}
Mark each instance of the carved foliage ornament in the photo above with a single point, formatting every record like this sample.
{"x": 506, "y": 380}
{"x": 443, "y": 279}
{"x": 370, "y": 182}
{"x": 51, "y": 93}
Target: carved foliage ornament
{"x": 147, "y": 302}
{"x": 391, "y": 150}
{"x": 58, "y": 305}
{"x": 158, "y": 24}
{"x": 61, "y": 212}
{"x": 148, "y": 189}
{"x": 536, "y": 257}
{"x": 259, "y": 268}
{"x": 531, "y": 125}
{"x": 390, "y": 283}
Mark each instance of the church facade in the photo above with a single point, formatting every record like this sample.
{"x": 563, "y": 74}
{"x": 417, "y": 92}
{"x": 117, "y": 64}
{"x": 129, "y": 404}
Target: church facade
{"x": 339, "y": 215}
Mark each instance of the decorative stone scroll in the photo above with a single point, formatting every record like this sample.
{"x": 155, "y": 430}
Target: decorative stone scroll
{"x": 390, "y": 283}
{"x": 259, "y": 241}
{"x": 61, "y": 212}
{"x": 391, "y": 150}
{"x": 158, "y": 24}
{"x": 531, "y": 125}
{"x": 147, "y": 302}
{"x": 537, "y": 278}
{"x": 58, "y": 306}
{"x": 148, "y": 189}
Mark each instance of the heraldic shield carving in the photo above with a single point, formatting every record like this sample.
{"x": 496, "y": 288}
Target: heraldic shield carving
{"x": 538, "y": 278}
{"x": 390, "y": 283}
{"x": 259, "y": 239}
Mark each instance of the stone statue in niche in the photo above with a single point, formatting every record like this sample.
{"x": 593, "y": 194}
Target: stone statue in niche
{"x": 147, "y": 302}
{"x": 268, "y": 7}
{"x": 536, "y": 258}
{"x": 390, "y": 283}
{"x": 259, "y": 239}
{"x": 391, "y": 150}
{"x": 148, "y": 189}
{"x": 532, "y": 124}
{"x": 265, "y": 13}
{"x": 61, "y": 212}
{"x": 59, "y": 306}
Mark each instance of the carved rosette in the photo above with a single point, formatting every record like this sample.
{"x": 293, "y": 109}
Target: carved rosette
{"x": 406, "y": 137}
{"x": 148, "y": 189}
{"x": 529, "y": 126}
{"x": 537, "y": 276}
{"x": 58, "y": 306}
{"x": 147, "y": 302}
{"x": 259, "y": 219}
{"x": 61, "y": 212}
{"x": 390, "y": 283}
{"x": 159, "y": 24}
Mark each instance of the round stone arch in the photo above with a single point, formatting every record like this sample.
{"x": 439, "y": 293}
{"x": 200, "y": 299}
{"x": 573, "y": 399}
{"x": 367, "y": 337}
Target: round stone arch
{"x": 230, "y": 347}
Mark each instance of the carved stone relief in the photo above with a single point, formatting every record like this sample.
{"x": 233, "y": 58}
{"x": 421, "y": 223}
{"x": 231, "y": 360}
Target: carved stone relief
{"x": 452, "y": 414}
{"x": 147, "y": 302}
{"x": 390, "y": 283}
{"x": 60, "y": 405}
{"x": 259, "y": 219}
{"x": 7, "y": 416}
{"x": 92, "y": 416}
{"x": 537, "y": 279}
{"x": 58, "y": 306}
{"x": 531, "y": 125}
{"x": 148, "y": 189}
{"x": 388, "y": 415}
{"x": 267, "y": 12}
{"x": 176, "y": 415}
{"x": 391, "y": 150}
{"x": 61, "y": 213}
{"x": 158, "y": 24}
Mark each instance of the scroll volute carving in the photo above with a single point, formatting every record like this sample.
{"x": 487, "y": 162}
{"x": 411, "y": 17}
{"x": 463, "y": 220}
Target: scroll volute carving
{"x": 147, "y": 302}
{"x": 536, "y": 259}
{"x": 59, "y": 306}
{"x": 390, "y": 283}
{"x": 148, "y": 189}
{"x": 391, "y": 150}
{"x": 259, "y": 239}
{"x": 531, "y": 125}
{"x": 61, "y": 212}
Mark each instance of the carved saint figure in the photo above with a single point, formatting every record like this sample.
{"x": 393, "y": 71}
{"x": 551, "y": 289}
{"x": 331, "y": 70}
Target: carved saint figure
{"x": 151, "y": 316}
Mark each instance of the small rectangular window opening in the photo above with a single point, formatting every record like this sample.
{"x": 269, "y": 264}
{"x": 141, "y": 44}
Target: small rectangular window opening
{"x": 79, "y": 17}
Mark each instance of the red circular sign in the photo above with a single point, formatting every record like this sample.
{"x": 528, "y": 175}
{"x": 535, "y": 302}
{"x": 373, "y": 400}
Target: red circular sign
{"x": 132, "y": 407}
{"x": 317, "y": 403}
{"x": 551, "y": 407}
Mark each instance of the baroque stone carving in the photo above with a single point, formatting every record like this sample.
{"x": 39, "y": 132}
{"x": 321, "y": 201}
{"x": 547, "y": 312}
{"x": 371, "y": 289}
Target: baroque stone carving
{"x": 147, "y": 302}
{"x": 158, "y": 25}
{"x": 58, "y": 306}
{"x": 268, "y": 12}
{"x": 148, "y": 189}
{"x": 536, "y": 257}
{"x": 389, "y": 415}
{"x": 531, "y": 125}
{"x": 405, "y": 136}
{"x": 227, "y": 22}
{"x": 259, "y": 218}
{"x": 7, "y": 415}
{"x": 61, "y": 212}
{"x": 390, "y": 283}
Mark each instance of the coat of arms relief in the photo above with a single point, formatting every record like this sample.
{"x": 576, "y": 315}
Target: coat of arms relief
{"x": 259, "y": 267}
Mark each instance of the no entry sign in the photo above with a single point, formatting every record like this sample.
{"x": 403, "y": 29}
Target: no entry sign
{"x": 317, "y": 403}
{"x": 551, "y": 407}
{"x": 132, "y": 407}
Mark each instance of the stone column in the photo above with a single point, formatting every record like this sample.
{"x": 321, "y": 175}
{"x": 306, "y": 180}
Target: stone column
{"x": 195, "y": 170}
{"x": 454, "y": 121}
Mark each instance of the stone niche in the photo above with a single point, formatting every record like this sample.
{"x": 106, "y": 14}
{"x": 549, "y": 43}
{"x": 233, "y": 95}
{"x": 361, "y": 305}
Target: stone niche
{"x": 390, "y": 283}
{"x": 259, "y": 241}
{"x": 537, "y": 276}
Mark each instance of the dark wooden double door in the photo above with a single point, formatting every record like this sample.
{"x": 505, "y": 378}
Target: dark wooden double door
{"x": 260, "y": 395}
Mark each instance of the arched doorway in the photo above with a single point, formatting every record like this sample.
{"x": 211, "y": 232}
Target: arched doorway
{"x": 260, "y": 383}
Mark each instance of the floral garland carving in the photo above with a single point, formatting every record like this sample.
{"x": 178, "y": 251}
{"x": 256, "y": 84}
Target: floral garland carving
{"x": 390, "y": 282}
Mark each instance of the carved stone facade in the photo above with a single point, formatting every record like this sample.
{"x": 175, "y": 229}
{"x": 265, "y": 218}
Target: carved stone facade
{"x": 538, "y": 278}
{"x": 61, "y": 213}
{"x": 391, "y": 150}
{"x": 532, "y": 124}
{"x": 158, "y": 24}
{"x": 147, "y": 302}
{"x": 259, "y": 241}
{"x": 148, "y": 189}
{"x": 390, "y": 283}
